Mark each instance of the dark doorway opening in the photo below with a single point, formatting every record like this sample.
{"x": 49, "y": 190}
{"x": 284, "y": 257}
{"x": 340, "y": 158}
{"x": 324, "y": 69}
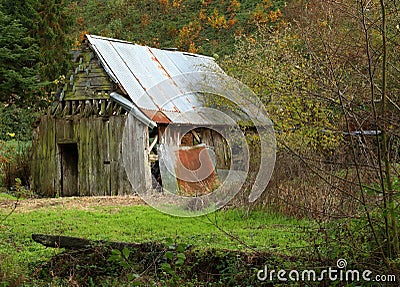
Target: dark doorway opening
{"x": 69, "y": 169}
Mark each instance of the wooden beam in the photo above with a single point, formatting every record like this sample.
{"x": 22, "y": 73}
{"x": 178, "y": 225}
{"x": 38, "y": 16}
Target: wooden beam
{"x": 153, "y": 144}
{"x": 196, "y": 135}
{"x": 69, "y": 242}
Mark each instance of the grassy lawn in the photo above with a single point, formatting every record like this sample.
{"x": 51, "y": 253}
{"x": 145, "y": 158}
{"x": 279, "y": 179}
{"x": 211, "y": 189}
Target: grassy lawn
{"x": 4, "y": 195}
{"x": 139, "y": 223}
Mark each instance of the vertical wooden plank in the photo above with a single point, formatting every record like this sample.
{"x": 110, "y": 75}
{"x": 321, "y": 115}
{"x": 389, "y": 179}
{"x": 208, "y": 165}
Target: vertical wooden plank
{"x": 113, "y": 155}
{"x": 90, "y": 158}
{"x": 50, "y": 173}
{"x": 97, "y": 156}
{"x": 147, "y": 166}
{"x": 83, "y": 154}
{"x": 106, "y": 157}
{"x": 76, "y": 132}
{"x": 221, "y": 150}
{"x": 119, "y": 165}
{"x": 33, "y": 164}
{"x": 44, "y": 158}
{"x": 36, "y": 154}
{"x": 121, "y": 173}
{"x": 43, "y": 183}
{"x": 94, "y": 139}
{"x": 137, "y": 140}
{"x": 101, "y": 180}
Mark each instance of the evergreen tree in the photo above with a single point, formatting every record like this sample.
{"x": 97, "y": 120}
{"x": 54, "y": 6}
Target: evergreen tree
{"x": 24, "y": 11}
{"x": 47, "y": 22}
{"x": 54, "y": 21}
{"x": 18, "y": 58}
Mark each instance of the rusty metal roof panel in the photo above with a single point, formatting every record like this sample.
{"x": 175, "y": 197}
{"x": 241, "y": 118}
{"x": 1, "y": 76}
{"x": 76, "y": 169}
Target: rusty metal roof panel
{"x": 157, "y": 116}
{"x": 168, "y": 65}
{"x": 154, "y": 79}
{"x": 190, "y": 118}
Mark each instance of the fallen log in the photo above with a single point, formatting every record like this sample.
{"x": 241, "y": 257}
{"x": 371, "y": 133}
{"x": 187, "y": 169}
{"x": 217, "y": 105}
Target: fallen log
{"x": 69, "y": 242}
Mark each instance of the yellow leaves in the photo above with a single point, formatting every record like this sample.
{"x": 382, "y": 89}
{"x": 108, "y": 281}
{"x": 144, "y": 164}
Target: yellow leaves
{"x": 145, "y": 20}
{"x": 234, "y": 7}
{"x": 267, "y": 4}
{"x": 188, "y": 34}
{"x": 217, "y": 21}
{"x": 206, "y": 2}
{"x": 274, "y": 16}
{"x": 165, "y": 3}
{"x": 264, "y": 13}
{"x": 202, "y": 15}
{"x": 60, "y": 80}
{"x": 81, "y": 37}
{"x": 11, "y": 135}
{"x": 176, "y": 3}
{"x": 192, "y": 48}
{"x": 259, "y": 16}
{"x": 232, "y": 22}
{"x": 184, "y": 33}
{"x": 252, "y": 40}
{"x": 323, "y": 23}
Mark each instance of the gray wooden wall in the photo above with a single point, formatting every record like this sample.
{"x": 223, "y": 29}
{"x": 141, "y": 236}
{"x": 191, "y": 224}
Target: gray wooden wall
{"x": 100, "y": 167}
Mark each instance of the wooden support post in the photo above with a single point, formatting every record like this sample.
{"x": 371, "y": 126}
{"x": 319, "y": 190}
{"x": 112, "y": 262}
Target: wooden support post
{"x": 153, "y": 144}
{"x": 109, "y": 108}
{"x": 96, "y": 107}
{"x": 73, "y": 108}
{"x": 67, "y": 108}
{"x": 196, "y": 135}
{"x": 103, "y": 107}
{"x": 88, "y": 108}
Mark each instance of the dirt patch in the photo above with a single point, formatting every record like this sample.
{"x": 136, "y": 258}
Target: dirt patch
{"x": 81, "y": 203}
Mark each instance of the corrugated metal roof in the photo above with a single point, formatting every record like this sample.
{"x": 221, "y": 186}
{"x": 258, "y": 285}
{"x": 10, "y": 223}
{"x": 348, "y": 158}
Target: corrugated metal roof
{"x": 159, "y": 82}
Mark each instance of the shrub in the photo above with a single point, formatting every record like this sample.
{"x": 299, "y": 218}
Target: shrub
{"x": 15, "y": 159}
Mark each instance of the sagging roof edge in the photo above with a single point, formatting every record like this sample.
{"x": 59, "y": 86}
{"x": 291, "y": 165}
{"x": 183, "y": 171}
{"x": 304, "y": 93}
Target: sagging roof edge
{"x": 128, "y": 105}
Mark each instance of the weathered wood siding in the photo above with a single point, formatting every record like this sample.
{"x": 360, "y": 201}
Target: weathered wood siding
{"x": 44, "y": 165}
{"x": 100, "y": 164}
{"x": 218, "y": 143}
{"x": 136, "y": 158}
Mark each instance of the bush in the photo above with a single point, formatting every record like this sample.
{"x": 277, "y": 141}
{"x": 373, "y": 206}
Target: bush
{"x": 15, "y": 159}
{"x": 15, "y": 123}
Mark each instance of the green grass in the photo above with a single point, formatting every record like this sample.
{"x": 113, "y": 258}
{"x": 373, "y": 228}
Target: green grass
{"x": 4, "y": 195}
{"x": 259, "y": 230}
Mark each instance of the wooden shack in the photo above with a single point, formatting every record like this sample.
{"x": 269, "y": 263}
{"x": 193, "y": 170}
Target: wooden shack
{"x": 77, "y": 145}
